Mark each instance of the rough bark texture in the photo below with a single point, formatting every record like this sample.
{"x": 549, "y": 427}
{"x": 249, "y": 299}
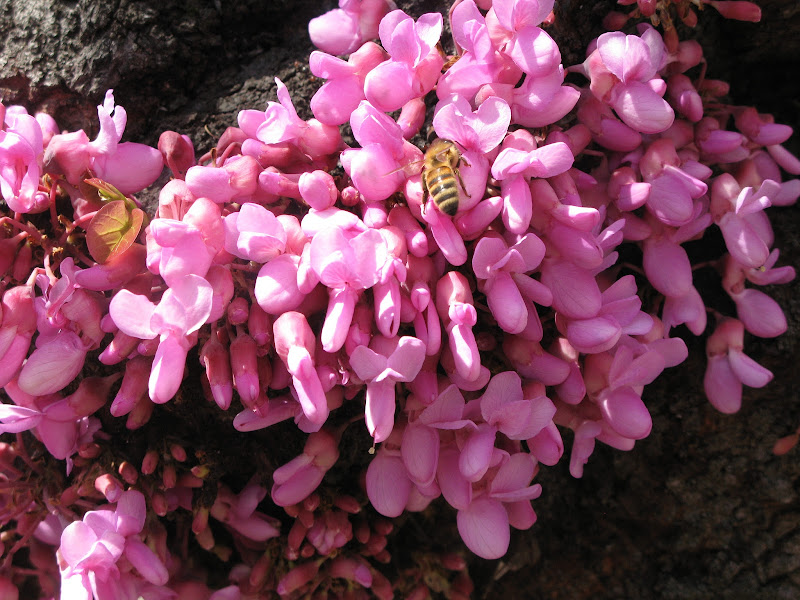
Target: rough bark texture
{"x": 701, "y": 508}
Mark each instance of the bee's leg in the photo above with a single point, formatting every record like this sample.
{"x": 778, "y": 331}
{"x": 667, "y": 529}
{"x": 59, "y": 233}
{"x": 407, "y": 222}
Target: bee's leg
{"x": 461, "y": 181}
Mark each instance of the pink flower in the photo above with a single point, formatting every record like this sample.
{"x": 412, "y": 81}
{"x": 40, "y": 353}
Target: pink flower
{"x": 236, "y": 180}
{"x": 254, "y": 233}
{"x": 415, "y": 63}
{"x": 298, "y": 478}
{"x": 455, "y": 305}
{"x": 673, "y": 187}
{"x": 502, "y": 271}
{"x": 91, "y": 548}
{"x": 729, "y": 367}
{"x": 623, "y": 72}
{"x": 20, "y": 152}
{"x": 342, "y": 30}
{"x": 280, "y": 124}
{"x": 183, "y": 309}
{"x": 179, "y": 248}
{"x": 477, "y": 133}
{"x": 128, "y": 166}
{"x": 377, "y": 168}
{"x": 735, "y": 211}
{"x": 53, "y": 365}
{"x": 347, "y": 265}
{"x": 484, "y": 523}
{"x": 295, "y": 345}
{"x": 514, "y": 29}
{"x": 388, "y": 361}
{"x": 614, "y": 384}
{"x": 340, "y": 95}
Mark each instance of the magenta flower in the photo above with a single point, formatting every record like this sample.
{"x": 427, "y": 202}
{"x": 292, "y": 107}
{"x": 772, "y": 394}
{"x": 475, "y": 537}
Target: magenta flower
{"x": 673, "y": 187}
{"x": 388, "y": 361}
{"x": 735, "y": 211}
{"x": 477, "y": 133}
{"x": 377, "y": 168}
{"x": 92, "y": 548}
{"x": 346, "y": 265}
{"x": 298, "y": 478}
{"x": 53, "y": 365}
{"x": 236, "y": 180}
{"x": 295, "y": 344}
{"x": 760, "y": 314}
{"x": 457, "y": 311}
{"x": 415, "y": 63}
{"x": 514, "y": 28}
{"x": 614, "y": 384}
{"x": 280, "y": 124}
{"x": 518, "y": 162}
{"x": 177, "y": 249}
{"x": 62, "y": 424}
{"x": 729, "y": 368}
{"x": 539, "y": 101}
{"x": 340, "y": 95}
{"x": 182, "y": 310}
{"x": 484, "y": 523}
{"x": 620, "y": 315}
{"x": 623, "y": 72}
{"x": 254, "y": 233}
{"x": 342, "y": 30}
{"x": 505, "y": 410}
{"x": 128, "y": 166}
{"x": 20, "y": 152}
{"x": 502, "y": 272}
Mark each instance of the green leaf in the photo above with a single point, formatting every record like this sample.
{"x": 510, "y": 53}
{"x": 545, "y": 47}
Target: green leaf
{"x": 107, "y": 192}
{"x": 113, "y": 230}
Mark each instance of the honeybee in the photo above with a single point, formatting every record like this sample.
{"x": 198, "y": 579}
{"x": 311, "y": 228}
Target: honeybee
{"x": 439, "y": 175}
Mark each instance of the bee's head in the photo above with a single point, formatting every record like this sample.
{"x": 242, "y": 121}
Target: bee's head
{"x": 446, "y": 151}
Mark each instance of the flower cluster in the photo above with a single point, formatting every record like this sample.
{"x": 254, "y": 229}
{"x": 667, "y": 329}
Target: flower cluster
{"x": 275, "y": 285}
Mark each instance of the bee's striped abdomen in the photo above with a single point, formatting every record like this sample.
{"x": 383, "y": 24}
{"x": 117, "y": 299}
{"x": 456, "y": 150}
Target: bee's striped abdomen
{"x": 443, "y": 188}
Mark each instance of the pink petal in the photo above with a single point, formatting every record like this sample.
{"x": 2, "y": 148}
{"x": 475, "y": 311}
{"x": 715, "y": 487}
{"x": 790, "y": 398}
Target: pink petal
{"x": 761, "y": 315}
{"x": 167, "y": 371}
{"x": 723, "y": 388}
{"x": 420, "y": 452}
{"x": 535, "y": 52}
{"x": 624, "y": 410}
{"x": 504, "y": 387}
{"x": 53, "y": 365}
{"x": 132, "y": 313}
{"x": 483, "y": 526}
{"x": 146, "y": 562}
{"x": 130, "y": 513}
{"x": 748, "y": 371}
{"x": 407, "y": 359}
{"x": 642, "y": 109}
{"x": 506, "y": 303}
{"x": 455, "y": 488}
{"x": 447, "y": 408}
{"x": 380, "y": 408}
{"x": 367, "y": 363}
{"x": 388, "y": 486}
{"x": 476, "y": 453}
{"x": 276, "y": 285}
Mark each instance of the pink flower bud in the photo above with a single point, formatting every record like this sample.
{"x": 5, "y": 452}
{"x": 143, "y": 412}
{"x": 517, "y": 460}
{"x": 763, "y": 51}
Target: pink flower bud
{"x": 134, "y": 386}
{"x": 109, "y": 486}
{"x": 244, "y": 367}
{"x": 318, "y": 189}
{"x": 178, "y": 153}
